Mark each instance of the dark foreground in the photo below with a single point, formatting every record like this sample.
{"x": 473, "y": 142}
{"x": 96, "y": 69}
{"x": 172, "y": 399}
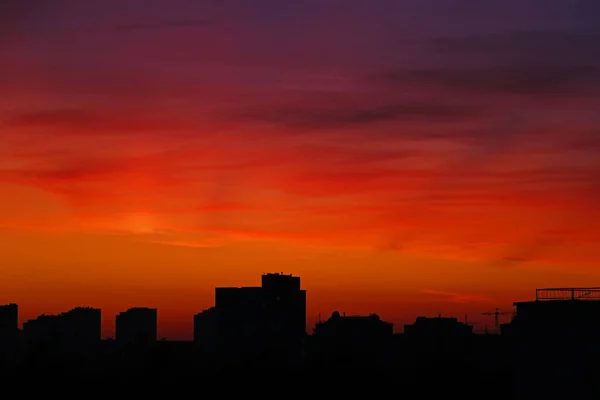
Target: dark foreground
{"x": 482, "y": 368}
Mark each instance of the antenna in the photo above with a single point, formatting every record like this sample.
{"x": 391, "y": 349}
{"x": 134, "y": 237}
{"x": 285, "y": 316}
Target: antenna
{"x": 496, "y": 315}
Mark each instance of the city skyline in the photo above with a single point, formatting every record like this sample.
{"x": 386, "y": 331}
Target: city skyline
{"x": 405, "y": 157}
{"x": 109, "y": 327}
{"x": 110, "y": 332}
{"x": 550, "y": 346}
{"x": 244, "y": 306}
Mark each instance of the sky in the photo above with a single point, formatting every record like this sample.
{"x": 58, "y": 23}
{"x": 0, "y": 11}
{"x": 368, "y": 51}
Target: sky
{"x": 403, "y": 157}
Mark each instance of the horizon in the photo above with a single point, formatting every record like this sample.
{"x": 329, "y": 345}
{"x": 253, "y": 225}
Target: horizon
{"x": 403, "y": 157}
{"x": 480, "y": 326}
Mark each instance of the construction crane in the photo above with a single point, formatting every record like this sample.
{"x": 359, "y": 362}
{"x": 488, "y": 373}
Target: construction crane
{"x": 496, "y": 315}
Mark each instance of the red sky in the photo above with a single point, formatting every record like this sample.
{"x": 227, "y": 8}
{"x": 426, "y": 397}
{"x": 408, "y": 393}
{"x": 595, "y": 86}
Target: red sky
{"x": 401, "y": 161}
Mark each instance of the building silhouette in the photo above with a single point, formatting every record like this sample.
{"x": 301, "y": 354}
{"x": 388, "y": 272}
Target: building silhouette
{"x": 255, "y": 322}
{"x": 565, "y": 314}
{"x": 550, "y": 349}
{"x": 555, "y": 342}
{"x": 205, "y": 329}
{"x": 353, "y": 340}
{"x": 137, "y": 326}
{"x": 436, "y": 339}
{"x": 9, "y": 322}
{"x": 9, "y": 332}
{"x": 239, "y": 322}
{"x": 82, "y": 325}
{"x": 354, "y": 327}
{"x": 72, "y": 330}
{"x": 285, "y": 307}
{"x": 438, "y": 327}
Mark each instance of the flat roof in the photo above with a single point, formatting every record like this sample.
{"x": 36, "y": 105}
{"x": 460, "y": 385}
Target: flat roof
{"x": 557, "y": 301}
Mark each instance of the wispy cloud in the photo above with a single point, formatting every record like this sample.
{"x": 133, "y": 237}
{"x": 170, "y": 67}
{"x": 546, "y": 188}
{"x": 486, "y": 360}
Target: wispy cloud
{"x": 100, "y": 121}
{"x": 516, "y": 45}
{"x": 543, "y": 79}
{"x": 548, "y": 63}
{"x": 167, "y": 24}
{"x": 454, "y": 297}
{"x": 340, "y": 116}
{"x": 194, "y": 244}
{"x": 251, "y": 145}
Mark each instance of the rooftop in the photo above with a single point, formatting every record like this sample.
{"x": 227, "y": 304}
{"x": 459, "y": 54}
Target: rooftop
{"x": 583, "y": 294}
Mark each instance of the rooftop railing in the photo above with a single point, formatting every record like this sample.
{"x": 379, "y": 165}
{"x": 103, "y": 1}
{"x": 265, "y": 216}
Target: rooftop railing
{"x": 568, "y": 294}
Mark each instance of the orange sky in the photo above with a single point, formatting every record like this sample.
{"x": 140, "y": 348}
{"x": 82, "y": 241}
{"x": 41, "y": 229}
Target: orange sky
{"x": 137, "y": 170}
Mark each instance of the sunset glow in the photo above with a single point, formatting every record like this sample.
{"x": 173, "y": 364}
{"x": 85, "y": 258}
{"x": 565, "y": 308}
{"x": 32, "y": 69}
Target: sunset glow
{"x": 397, "y": 161}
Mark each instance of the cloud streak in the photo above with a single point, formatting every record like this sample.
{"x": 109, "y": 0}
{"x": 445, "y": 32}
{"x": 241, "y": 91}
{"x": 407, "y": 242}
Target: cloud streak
{"x": 172, "y": 24}
{"x": 327, "y": 117}
{"x": 542, "y": 79}
{"x": 376, "y": 134}
{"x": 455, "y": 297}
